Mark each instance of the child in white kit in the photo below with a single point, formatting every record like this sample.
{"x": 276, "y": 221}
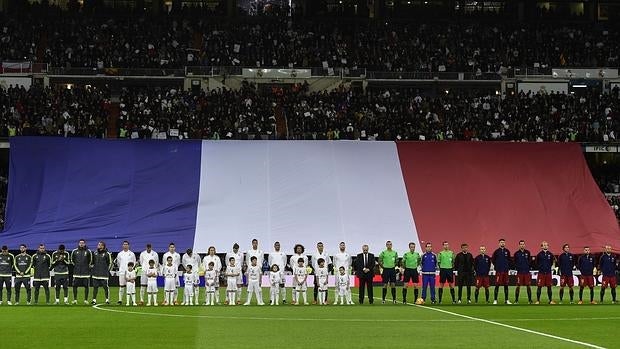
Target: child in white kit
{"x": 151, "y": 284}
{"x": 321, "y": 275}
{"x": 188, "y": 291}
{"x": 210, "y": 280}
{"x": 254, "y": 276}
{"x": 197, "y": 287}
{"x": 232, "y": 273}
{"x": 275, "y": 278}
{"x": 300, "y": 275}
{"x": 130, "y": 277}
{"x": 170, "y": 281}
{"x": 343, "y": 283}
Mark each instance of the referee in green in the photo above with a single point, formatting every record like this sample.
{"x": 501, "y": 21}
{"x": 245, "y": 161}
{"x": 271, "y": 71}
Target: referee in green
{"x": 387, "y": 261}
{"x": 410, "y": 261}
{"x": 446, "y": 270}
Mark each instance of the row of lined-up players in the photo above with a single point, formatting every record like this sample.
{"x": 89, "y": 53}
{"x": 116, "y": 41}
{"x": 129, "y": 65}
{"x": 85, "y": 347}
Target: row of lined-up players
{"x": 468, "y": 270}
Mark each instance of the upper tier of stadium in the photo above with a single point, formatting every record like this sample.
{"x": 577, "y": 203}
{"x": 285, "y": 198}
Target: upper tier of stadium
{"x": 193, "y": 38}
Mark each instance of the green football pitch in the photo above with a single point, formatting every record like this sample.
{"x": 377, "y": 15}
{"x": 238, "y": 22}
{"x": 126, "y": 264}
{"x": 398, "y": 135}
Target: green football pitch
{"x": 334, "y": 326}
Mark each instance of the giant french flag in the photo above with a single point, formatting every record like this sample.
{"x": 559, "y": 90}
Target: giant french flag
{"x": 215, "y": 193}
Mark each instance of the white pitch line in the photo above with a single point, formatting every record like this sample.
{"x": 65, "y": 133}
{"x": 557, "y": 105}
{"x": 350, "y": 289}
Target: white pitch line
{"x": 491, "y": 322}
{"x": 510, "y": 326}
{"x": 98, "y": 307}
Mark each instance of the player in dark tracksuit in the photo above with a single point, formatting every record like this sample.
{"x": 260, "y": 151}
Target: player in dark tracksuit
{"x": 60, "y": 266}
{"x": 429, "y": 269}
{"x": 7, "y": 260}
{"x": 102, "y": 265}
{"x": 23, "y": 266}
{"x": 82, "y": 260}
{"x": 41, "y": 263}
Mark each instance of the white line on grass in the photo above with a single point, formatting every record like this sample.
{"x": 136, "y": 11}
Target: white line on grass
{"x": 510, "y": 326}
{"x": 505, "y": 325}
{"x": 98, "y": 307}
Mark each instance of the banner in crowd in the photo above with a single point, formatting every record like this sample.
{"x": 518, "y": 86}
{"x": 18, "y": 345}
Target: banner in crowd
{"x": 581, "y": 73}
{"x": 215, "y": 193}
{"x": 15, "y": 67}
{"x": 15, "y": 81}
{"x": 271, "y": 73}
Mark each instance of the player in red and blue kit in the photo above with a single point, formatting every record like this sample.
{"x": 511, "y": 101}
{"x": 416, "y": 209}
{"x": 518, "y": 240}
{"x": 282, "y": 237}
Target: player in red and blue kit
{"x": 545, "y": 261}
{"x": 482, "y": 266}
{"x": 585, "y": 264}
{"x": 566, "y": 263}
{"x": 607, "y": 266}
{"x": 501, "y": 261}
{"x": 522, "y": 259}
{"x": 429, "y": 269}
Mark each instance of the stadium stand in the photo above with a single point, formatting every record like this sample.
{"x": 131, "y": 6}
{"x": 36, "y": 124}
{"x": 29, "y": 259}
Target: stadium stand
{"x": 378, "y": 114}
{"x": 82, "y": 40}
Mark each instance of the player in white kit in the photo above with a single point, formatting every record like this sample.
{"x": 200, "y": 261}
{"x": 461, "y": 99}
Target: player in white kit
{"x": 238, "y": 256}
{"x": 278, "y": 258}
{"x": 300, "y": 275}
{"x": 189, "y": 278}
{"x": 232, "y": 273}
{"x": 254, "y": 278}
{"x": 343, "y": 259}
{"x": 318, "y": 255}
{"x": 211, "y": 257}
{"x": 343, "y": 284}
{"x": 146, "y": 256}
{"x": 122, "y": 259}
{"x": 130, "y": 277}
{"x": 298, "y": 253}
{"x": 321, "y": 274}
{"x": 254, "y": 252}
{"x": 170, "y": 281}
{"x": 193, "y": 259}
{"x": 151, "y": 285}
{"x": 176, "y": 262}
{"x": 275, "y": 280}
{"x": 211, "y": 279}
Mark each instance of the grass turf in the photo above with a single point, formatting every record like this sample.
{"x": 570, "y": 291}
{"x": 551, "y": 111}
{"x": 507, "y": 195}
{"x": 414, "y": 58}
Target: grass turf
{"x": 366, "y": 326}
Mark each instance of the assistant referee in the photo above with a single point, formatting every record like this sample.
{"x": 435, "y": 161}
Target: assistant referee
{"x": 411, "y": 262}
{"x": 387, "y": 260}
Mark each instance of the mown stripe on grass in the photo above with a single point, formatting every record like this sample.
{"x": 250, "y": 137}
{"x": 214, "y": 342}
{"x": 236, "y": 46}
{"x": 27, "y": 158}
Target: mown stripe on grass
{"x": 110, "y": 309}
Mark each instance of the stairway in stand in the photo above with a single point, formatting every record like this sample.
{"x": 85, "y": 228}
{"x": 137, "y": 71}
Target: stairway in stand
{"x": 281, "y": 123}
{"x": 114, "y": 112}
